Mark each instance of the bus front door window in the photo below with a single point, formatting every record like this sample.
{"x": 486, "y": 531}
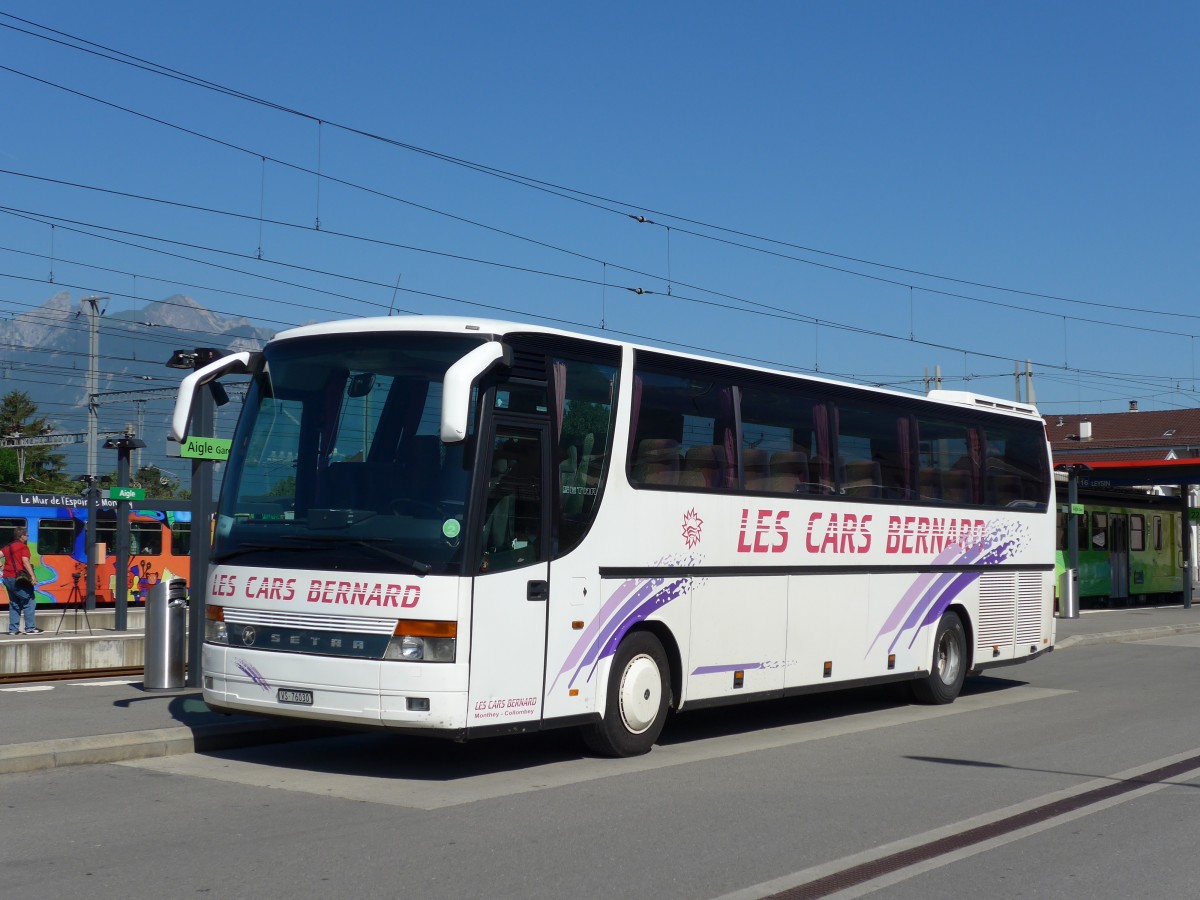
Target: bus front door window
{"x": 513, "y": 523}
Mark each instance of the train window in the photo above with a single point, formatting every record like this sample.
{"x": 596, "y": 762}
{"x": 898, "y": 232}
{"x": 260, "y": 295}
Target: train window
{"x": 145, "y": 538}
{"x": 58, "y": 535}
{"x": 106, "y": 534}
{"x": 1099, "y": 530}
{"x": 181, "y": 538}
{"x": 8, "y": 528}
{"x": 1137, "y": 532}
{"x": 1158, "y": 533}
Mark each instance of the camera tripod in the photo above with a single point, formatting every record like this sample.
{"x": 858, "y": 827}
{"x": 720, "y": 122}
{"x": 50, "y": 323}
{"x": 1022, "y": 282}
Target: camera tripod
{"x": 74, "y": 599}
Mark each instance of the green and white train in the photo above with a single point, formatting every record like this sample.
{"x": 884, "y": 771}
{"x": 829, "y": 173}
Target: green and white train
{"x": 1130, "y": 547}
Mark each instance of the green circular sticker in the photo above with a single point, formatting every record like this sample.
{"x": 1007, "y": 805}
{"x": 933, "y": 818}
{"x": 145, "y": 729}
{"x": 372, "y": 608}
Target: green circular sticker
{"x": 451, "y": 528}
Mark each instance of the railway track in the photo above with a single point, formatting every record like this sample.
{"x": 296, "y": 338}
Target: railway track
{"x": 70, "y": 675}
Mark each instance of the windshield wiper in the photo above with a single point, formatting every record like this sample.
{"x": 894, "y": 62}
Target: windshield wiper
{"x": 372, "y": 544}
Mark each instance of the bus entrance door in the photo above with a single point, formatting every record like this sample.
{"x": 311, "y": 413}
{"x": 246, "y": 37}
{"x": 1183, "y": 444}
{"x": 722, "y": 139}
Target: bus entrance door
{"x": 510, "y": 593}
{"x": 1118, "y": 557}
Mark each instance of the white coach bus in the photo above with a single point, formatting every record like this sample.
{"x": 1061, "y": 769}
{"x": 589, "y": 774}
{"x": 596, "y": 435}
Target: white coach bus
{"x": 466, "y": 528}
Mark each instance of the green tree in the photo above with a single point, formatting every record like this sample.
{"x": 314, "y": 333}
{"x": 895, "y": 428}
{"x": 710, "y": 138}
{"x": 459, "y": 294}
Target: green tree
{"x": 157, "y": 483}
{"x": 44, "y": 467}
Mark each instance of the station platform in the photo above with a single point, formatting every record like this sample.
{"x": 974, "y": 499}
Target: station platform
{"x": 73, "y": 641}
{"x": 85, "y": 720}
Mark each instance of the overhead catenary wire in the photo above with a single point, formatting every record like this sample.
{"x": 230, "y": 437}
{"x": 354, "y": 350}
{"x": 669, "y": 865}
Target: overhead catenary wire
{"x": 670, "y": 281}
{"x": 764, "y": 311}
{"x": 543, "y": 273}
{"x": 614, "y": 206}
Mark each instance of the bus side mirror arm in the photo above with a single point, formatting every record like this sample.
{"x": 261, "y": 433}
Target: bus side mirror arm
{"x": 456, "y": 387}
{"x": 247, "y": 361}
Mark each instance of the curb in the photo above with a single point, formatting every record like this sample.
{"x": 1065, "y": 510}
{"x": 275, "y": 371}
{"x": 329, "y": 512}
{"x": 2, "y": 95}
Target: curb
{"x": 1129, "y": 635}
{"x": 156, "y": 742}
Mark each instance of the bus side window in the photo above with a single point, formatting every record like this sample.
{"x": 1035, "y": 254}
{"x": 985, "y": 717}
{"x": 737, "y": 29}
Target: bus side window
{"x": 674, "y": 413}
{"x": 785, "y": 440}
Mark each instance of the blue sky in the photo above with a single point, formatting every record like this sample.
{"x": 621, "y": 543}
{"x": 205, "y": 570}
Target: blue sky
{"x": 933, "y": 182}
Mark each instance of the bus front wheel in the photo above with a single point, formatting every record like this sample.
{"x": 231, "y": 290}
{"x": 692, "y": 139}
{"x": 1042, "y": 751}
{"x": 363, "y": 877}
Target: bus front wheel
{"x": 639, "y": 693}
{"x": 949, "y": 668}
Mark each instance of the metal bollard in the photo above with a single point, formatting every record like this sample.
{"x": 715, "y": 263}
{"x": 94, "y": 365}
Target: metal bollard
{"x": 1068, "y": 594}
{"x": 166, "y": 636}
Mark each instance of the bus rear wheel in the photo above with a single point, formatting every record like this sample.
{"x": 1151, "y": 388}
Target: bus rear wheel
{"x": 949, "y": 669}
{"x": 639, "y": 694}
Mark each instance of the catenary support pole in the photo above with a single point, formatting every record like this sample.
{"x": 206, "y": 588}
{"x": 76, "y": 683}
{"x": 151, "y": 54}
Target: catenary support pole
{"x": 202, "y": 510}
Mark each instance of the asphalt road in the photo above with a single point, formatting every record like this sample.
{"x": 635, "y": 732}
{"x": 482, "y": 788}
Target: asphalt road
{"x": 1076, "y": 775}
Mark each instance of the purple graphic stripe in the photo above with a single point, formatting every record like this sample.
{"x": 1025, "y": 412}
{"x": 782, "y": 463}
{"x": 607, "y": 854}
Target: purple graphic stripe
{"x": 604, "y": 630}
{"x": 253, "y": 674}
{"x": 996, "y": 555}
{"x": 913, "y": 594}
{"x": 588, "y": 635}
{"x": 620, "y": 624}
{"x": 930, "y": 597}
{"x": 934, "y": 593}
{"x": 714, "y": 670}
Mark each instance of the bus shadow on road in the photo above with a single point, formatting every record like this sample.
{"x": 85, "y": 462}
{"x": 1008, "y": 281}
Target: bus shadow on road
{"x": 376, "y": 754}
{"x": 807, "y": 709}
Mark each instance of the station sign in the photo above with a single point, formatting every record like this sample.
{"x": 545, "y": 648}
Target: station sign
{"x": 206, "y": 448}
{"x": 126, "y": 493}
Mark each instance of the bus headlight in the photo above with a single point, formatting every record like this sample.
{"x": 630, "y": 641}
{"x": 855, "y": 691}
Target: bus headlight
{"x": 215, "y": 629}
{"x": 423, "y": 641}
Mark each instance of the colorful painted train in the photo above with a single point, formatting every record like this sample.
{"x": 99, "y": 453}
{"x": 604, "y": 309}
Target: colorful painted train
{"x": 1130, "y": 547}
{"x": 159, "y": 533}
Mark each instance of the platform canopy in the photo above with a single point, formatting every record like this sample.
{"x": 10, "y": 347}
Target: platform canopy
{"x": 1127, "y": 473}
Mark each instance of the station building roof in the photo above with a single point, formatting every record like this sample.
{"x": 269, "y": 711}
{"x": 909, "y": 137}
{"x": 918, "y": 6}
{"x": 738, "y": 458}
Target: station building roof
{"x": 1160, "y": 447}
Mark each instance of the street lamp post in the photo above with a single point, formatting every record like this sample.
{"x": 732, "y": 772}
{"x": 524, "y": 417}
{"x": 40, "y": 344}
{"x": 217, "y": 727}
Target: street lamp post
{"x": 124, "y": 446}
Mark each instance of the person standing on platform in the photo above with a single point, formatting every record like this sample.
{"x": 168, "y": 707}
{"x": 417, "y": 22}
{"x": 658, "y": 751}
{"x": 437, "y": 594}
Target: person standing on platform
{"x": 21, "y": 599}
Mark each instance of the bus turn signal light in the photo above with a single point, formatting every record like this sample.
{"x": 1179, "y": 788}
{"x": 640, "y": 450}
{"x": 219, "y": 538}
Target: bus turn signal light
{"x": 425, "y": 628}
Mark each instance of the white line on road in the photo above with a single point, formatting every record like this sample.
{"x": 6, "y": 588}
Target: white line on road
{"x": 833, "y": 867}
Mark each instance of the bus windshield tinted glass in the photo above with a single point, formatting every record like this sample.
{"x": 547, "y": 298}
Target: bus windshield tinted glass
{"x": 337, "y": 463}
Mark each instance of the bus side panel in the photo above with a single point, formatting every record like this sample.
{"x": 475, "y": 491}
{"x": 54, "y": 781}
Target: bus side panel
{"x": 894, "y": 627}
{"x": 738, "y": 625}
{"x": 575, "y": 599}
{"x": 827, "y": 619}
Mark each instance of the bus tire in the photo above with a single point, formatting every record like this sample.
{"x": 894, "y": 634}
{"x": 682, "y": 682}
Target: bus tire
{"x": 949, "y": 667}
{"x": 639, "y": 694}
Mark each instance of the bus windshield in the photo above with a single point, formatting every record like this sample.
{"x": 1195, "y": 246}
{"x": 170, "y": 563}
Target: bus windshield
{"x": 337, "y": 462}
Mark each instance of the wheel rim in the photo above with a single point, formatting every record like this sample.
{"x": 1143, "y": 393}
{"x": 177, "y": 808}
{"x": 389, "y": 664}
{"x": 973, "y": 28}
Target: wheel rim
{"x": 949, "y": 660}
{"x": 641, "y": 694}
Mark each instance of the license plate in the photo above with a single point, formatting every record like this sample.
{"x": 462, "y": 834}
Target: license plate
{"x": 303, "y": 698}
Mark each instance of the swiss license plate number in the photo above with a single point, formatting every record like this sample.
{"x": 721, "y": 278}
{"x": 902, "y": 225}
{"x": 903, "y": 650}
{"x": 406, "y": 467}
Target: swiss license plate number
{"x": 286, "y": 695}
